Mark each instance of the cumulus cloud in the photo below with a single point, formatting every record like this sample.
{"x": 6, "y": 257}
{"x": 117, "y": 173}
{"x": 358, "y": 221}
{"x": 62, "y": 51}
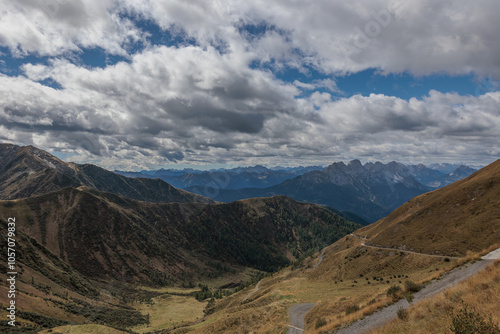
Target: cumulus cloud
{"x": 123, "y": 117}
{"x": 420, "y": 36}
{"x": 217, "y": 99}
{"x": 53, "y": 27}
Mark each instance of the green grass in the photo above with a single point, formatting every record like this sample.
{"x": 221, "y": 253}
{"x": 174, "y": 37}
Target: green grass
{"x": 167, "y": 311}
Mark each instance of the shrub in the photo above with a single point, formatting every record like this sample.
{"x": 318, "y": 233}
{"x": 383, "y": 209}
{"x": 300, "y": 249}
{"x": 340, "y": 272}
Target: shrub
{"x": 412, "y": 286}
{"x": 393, "y": 290}
{"x": 352, "y": 309}
{"x": 402, "y": 314}
{"x": 320, "y": 323}
{"x": 470, "y": 321}
{"x": 409, "y": 297}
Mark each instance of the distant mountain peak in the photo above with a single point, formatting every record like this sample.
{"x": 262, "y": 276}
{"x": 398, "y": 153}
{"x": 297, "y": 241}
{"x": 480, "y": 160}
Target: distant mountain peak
{"x": 354, "y": 163}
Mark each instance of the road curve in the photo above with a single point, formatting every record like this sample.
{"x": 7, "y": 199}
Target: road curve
{"x": 254, "y": 291}
{"x": 297, "y": 314}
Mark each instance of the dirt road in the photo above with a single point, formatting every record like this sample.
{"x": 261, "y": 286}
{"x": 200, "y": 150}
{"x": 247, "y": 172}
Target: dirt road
{"x": 254, "y": 291}
{"x": 320, "y": 258}
{"x": 297, "y": 314}
{"x": 407, "y": 251}
{"x": 399, "y": 250}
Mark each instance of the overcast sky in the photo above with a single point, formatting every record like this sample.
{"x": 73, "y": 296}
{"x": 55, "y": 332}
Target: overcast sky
{"x": 133, "y": 84}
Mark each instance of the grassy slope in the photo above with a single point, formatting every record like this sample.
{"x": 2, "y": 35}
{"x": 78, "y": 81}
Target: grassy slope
{"x": 83, "y": 329}
{"x": 434, "y": 316}
{"x": 460, "y": 217}
{"x": 50, "y": 288}
{"x": 266, "y": 310}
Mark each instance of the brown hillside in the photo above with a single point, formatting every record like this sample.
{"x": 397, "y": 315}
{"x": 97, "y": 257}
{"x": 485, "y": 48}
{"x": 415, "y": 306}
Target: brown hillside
{"x": 103, "y": 235}
{"x": 451, "y": 221}
{"x": 28, "y": 171}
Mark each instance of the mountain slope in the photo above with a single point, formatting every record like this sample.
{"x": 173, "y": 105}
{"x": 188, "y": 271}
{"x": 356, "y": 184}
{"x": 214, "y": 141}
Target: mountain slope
{"x": 102, "y": 235}
{"x": 27, "y": 171}
{"x": 371, "y": 191}
{"x": 462, "y": 216}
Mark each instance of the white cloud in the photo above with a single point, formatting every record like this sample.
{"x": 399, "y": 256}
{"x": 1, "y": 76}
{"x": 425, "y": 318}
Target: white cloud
{"x": 146, "y": 113}
{"x": 53, "y": 27}
{"x": 207, "y": 103}
{"x": 420, "y": 36}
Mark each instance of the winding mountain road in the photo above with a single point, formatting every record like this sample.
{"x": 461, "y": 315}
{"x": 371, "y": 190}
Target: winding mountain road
{"x": 451, "y": 278}
{"x": 254, "y": 291}
{"x": 408, "y": 251}
{"x": 401, "y": 250}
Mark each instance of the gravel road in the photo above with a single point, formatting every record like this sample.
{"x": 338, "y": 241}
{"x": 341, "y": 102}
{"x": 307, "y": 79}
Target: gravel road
{"x": 297, "y": 314}
{"x": 320, "y": 258}
{"x": 495, "y": 255}
{"x": 408, "y": 251}
{"x": 451, "y": 278}
{"x": 254, "y": 291}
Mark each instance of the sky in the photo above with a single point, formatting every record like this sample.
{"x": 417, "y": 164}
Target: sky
{"x": 143, "y": 84}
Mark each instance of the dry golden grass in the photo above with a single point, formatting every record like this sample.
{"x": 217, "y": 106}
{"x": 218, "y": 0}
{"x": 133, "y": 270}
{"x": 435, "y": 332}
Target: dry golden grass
{"x": 489, "y": 249}
{"x": 433, "y": 315}
{"x": 168, "y": 289}
{"x": 168, "y": 311}
{"x": 28, "y": 298}
{"x": 331, "y": 285}
{"x": 452, "y": 220}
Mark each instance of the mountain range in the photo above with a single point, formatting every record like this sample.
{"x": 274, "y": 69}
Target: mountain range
{"x": 370, "y": 191}
{"x": 234, "y": 178}
{"x": 102, "y": 235}
{"x": 365, "y": 192}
